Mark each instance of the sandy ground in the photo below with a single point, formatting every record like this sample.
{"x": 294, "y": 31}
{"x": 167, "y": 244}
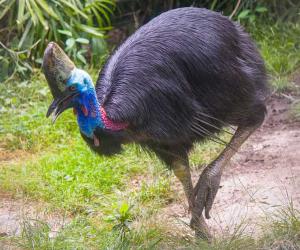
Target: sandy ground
{"x": 262, "y": 177}
{"x": 14, "y": 212}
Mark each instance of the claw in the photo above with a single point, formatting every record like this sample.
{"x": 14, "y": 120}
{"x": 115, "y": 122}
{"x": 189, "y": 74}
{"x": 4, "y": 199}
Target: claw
{"x": 201, "y": 229}
{"x": 191, "y": 202}
{"x": 206, "y": 190}
{"x": 208, "y": 204}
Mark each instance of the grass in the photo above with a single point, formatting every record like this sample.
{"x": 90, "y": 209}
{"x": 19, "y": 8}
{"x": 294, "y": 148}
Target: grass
{"x": 280, "y": 48}
{"x": 114, "y": 203}
{"x": 280, "y": 232}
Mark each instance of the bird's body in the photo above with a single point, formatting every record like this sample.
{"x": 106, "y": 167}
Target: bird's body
{"x": 178, "y": 79}
{"x": 185, "y": 66}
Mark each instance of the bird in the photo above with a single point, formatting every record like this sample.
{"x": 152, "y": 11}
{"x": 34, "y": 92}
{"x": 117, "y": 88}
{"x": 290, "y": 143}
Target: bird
{"x": 179, "y": 79}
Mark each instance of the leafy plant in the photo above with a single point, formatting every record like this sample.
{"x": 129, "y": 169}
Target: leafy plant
{"x": 122, "y": 219}
{"x": 24, "y": 22}
{"x": 74, "y": 46}
{"x": 278, "y": 44}
{"x": 12, "y": 62}
{"x": 36, "y": 233}
{"x": 251, "y": 15}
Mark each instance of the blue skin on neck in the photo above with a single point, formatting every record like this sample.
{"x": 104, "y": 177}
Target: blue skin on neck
{"x": 87, "y": 98}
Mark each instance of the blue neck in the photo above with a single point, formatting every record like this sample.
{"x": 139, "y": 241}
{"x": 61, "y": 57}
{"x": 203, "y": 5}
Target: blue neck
{"x": 90, "y": 121}
{"x": 86, "y": 103}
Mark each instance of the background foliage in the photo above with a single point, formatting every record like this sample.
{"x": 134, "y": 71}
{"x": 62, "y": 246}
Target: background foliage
{"x": 28, "y": 25}
{"x": 141, "y": 11}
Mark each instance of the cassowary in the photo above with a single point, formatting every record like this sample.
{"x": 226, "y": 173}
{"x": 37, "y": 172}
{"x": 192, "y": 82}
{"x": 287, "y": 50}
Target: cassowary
{"x": 177, "y": 80}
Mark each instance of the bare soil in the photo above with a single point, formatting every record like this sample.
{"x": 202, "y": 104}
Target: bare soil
{"x": 262, "y": 177}
{"x": 15, "y": 212}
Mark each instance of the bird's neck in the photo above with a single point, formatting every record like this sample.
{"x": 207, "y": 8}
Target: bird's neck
{"x": 91, "y": 115}
{"x": 88, "y": 113}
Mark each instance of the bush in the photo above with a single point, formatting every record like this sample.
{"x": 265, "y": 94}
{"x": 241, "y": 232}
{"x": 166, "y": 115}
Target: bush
{"x": 27, "y": 26}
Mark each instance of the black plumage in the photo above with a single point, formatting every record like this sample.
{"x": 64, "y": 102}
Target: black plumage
{"x": 179, "y": 79}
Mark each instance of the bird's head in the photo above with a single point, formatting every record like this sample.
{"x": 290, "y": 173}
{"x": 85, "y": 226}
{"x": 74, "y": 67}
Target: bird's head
{"x": 73, "y": 88}
{"x": 69, "y": 85}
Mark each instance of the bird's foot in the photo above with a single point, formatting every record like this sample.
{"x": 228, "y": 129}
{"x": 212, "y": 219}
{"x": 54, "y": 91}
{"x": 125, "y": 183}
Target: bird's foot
{"x": 204, "y": 195}
{"x": 200, "y": 227}
{"x": 207, "y": 188}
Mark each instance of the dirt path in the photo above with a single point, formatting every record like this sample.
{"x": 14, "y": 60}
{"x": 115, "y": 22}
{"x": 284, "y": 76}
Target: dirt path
{"x": 15, "y": 212}
{"x": 262, "y": 177}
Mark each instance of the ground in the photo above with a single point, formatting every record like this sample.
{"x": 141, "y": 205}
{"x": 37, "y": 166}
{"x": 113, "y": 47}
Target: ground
{"x": 263, "y": 176}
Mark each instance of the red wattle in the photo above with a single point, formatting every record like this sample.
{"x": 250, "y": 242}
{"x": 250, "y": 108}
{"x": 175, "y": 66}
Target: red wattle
{"x": 109, "y": 124}
{"x": 84, "y": 110}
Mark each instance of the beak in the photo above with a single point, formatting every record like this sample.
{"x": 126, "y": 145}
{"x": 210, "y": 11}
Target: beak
{"x": 61, "y": 103}
{"x": 57, "y": 67}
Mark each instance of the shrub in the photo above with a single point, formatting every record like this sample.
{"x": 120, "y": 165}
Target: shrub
{"x": 27, "y": 26}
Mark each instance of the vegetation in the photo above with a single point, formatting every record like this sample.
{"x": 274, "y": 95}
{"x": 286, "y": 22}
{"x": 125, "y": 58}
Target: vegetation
{"x": 110, "y": 203}
{"x": 279, "y": 45}
{"x": 26, "y": 27}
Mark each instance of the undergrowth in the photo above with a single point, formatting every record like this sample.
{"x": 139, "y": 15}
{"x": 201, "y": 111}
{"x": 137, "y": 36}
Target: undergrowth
{"x": 280, "y": 231}
{"x": 280, "y": 48}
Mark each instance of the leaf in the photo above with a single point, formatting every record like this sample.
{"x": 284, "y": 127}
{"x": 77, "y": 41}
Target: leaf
{"x": 90, "y": 30}
{"x": 101, "y": 8}
{"x": 124, "y": 209}
{"x": 39, "y": 14}
{"x": 74, "y": 8}
{"x": 261, "y": 9}
{"x": 65, "y": 32}
{"x": 25, "y": 34}
{"x": 21, "y": 8}
{"x": 98, "y": 17}
{"x": 23, "y": 19}
{"x": 109, "y": 218}
{"x": 243, "y": 14}
{"x": 81, "y": 57}
{"x": 213, "y": 5}
{"x": 7, "y": 8}
{"x": 252, "y": 18}
{"x": 43, "y": 91}
{"x": 70, "y": 43}
{"x": 82, "y": 40}
{"x": 48, "y": 9}
{"x": 39, "y": 61}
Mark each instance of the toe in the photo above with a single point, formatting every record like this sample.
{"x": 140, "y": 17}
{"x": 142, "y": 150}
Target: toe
{"x": 208, "y": 204}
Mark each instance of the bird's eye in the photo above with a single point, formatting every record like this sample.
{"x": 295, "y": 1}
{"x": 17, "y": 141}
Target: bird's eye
{"x": 72, "y": 88}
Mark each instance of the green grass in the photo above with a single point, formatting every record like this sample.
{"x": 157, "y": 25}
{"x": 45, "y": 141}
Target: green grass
{"x": 280, "y": 48}
{"x": 280, "y": 232}
{"x": 106, "y": 208}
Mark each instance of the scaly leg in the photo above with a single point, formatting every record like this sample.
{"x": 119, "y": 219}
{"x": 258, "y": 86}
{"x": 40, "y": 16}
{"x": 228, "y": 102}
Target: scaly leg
{"x": 209, "y": 181}
{"x": 182, "y": 171}
{"x": 177, "y": 159}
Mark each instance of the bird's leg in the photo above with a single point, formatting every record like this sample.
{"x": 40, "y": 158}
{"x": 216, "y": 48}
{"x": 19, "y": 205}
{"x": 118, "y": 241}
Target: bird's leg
{"x": 177, "y": 159}
{"x": 209, "y": 181}
{"x": 182, "y": 172}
